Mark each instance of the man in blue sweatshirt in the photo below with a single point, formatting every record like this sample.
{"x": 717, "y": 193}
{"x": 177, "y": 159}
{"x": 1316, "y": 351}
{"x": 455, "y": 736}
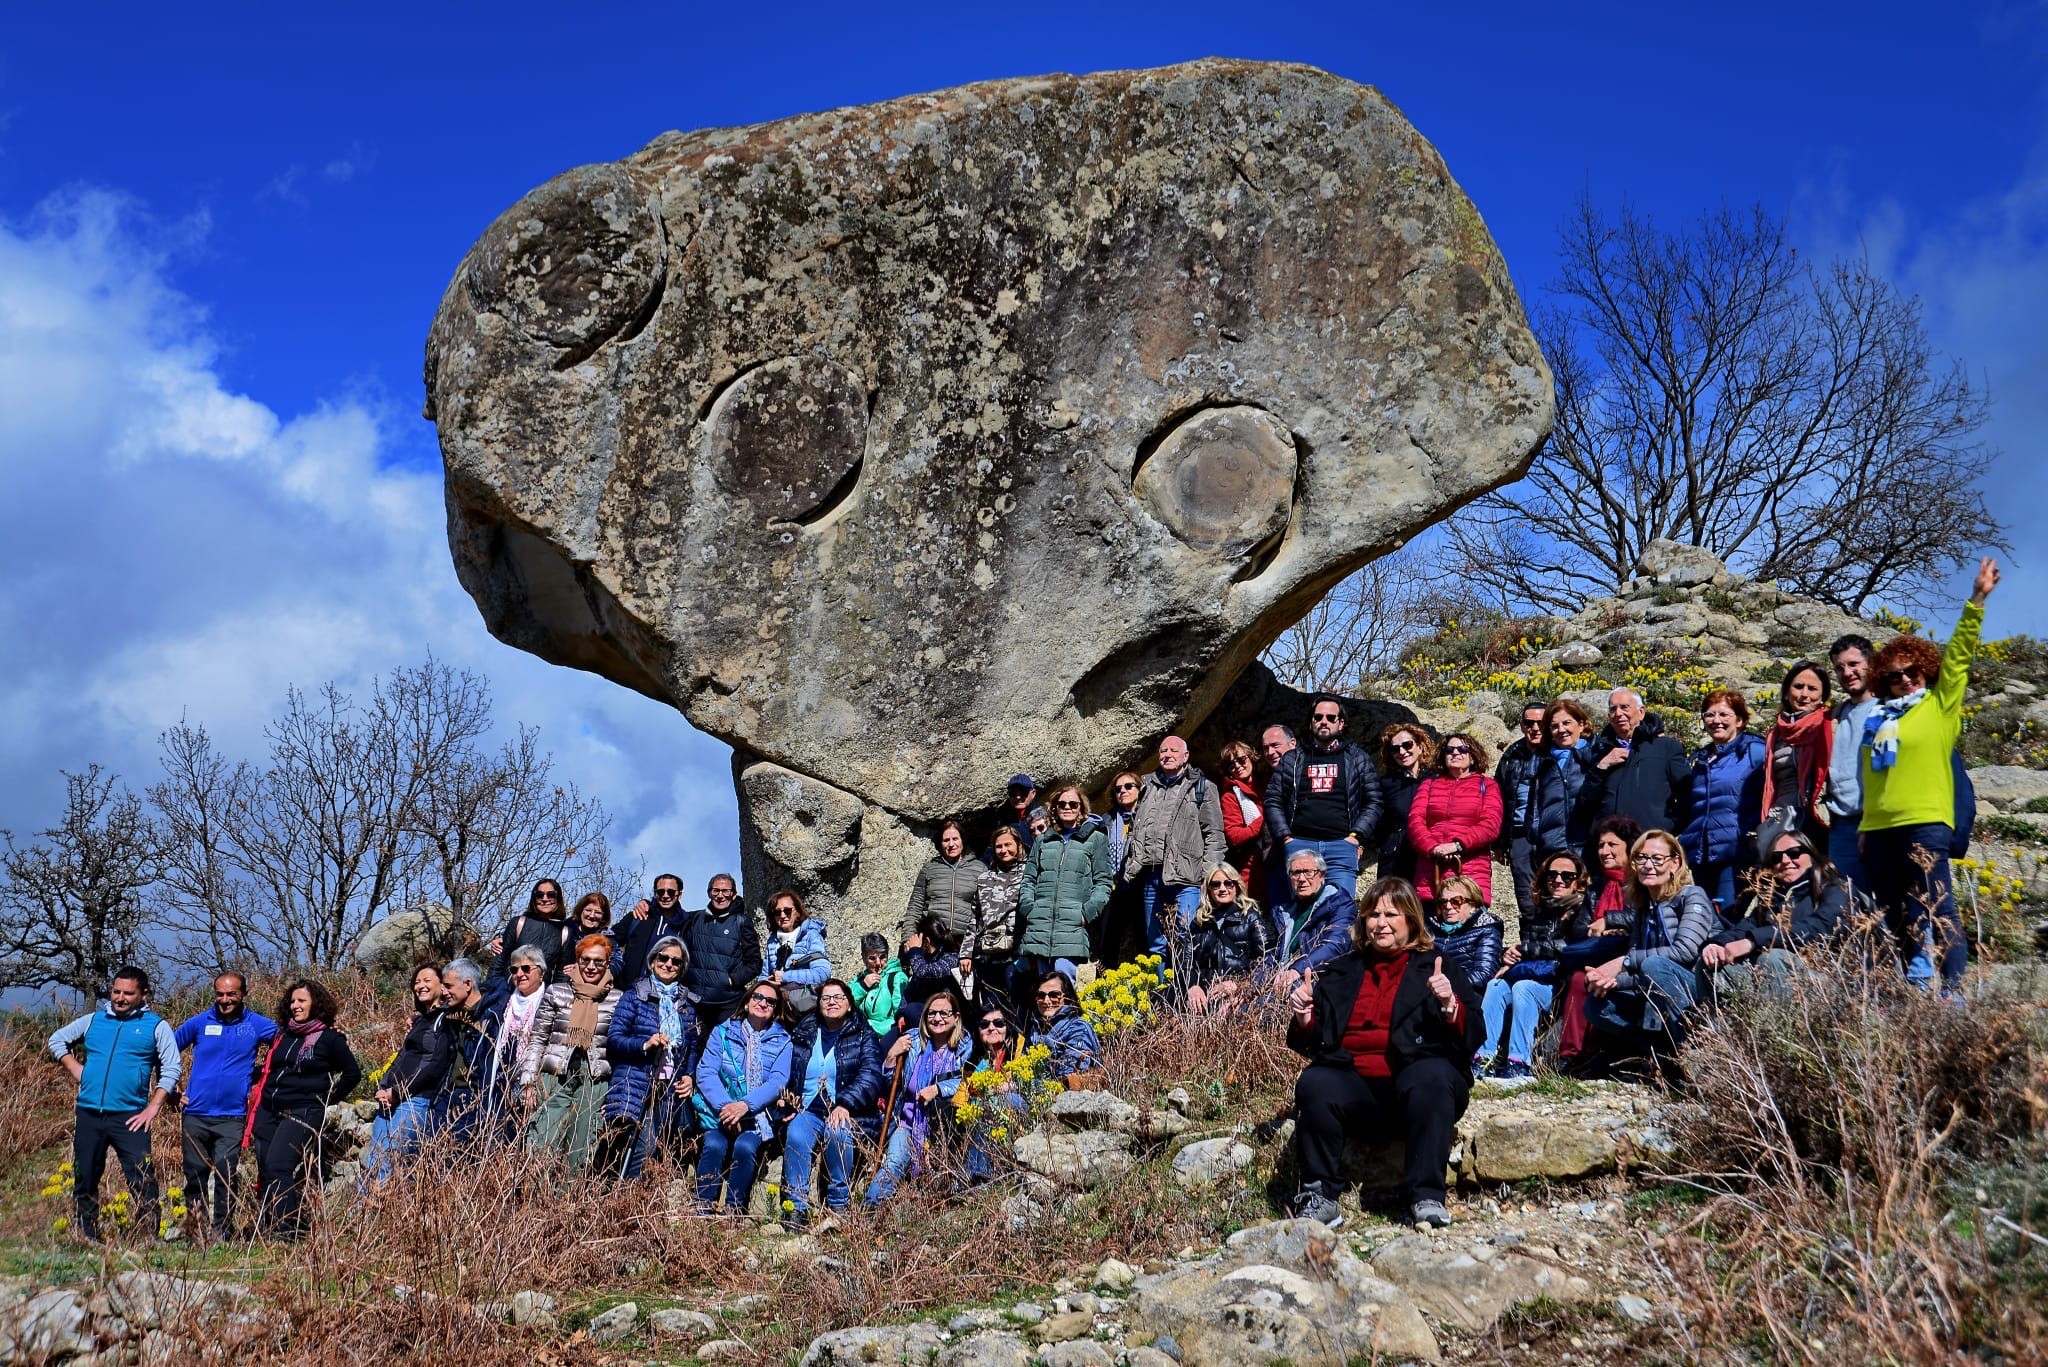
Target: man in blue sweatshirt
{"x": 120, "y": 1048}
{"x": 227, "y": 1041}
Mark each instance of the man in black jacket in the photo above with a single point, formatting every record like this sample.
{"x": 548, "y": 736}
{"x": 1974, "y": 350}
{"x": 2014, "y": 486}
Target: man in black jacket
{"x": 725, "y": 952}
{"x": 1324, "y": 797}
{"x": 1637, "y": 770}
{"x": 1516, "y": 774}
{"x": 648, "y": 921}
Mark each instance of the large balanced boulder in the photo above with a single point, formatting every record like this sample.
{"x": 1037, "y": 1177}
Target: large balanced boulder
{"x": 910, "y": 446}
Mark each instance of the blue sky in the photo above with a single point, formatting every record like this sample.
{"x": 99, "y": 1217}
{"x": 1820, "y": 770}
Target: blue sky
{"x": 223, "y": 234}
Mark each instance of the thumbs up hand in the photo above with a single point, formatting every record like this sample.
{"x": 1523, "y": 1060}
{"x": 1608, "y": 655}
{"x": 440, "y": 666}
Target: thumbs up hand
{"x": 1441, "y": 986}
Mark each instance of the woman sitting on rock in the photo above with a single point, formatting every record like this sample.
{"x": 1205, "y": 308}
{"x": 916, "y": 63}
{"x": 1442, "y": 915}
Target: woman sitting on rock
{"x": 1455, "y": 819}
{"x": 1057, "y": 1023}
{"x": 1388, "y": 1030}
{"x": 744, "y": 1068}
{"x": 1227, "y": 941}
{"x": 1527, "y": 982}
{"x": 1801, "y": 904}
{"x": 1468, "y": 933}
{"x": 1604, "y": 913}
{"x": 1725, "y": 800}
{"x": 925, "y": 1066}
{"x": 834, "y": 1098}
{"x": 1640, "y": 997}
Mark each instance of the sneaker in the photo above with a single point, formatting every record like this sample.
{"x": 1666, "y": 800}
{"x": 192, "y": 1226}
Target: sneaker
{"x": 1312, "y": 1204}
{"x": 1429, "y": 1215}
{"x": 1517, "y": 1069}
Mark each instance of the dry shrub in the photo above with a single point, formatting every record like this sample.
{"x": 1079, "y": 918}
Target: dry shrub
{"x": 1833, "y": 1124}
{"x": 40, "y": 1097}
{"x": 1238, "y": 1059}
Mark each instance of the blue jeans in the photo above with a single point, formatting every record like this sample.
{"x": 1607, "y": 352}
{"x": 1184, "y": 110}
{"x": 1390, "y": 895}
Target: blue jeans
{"x": 1340, "y": 855}
{"x": 800, "y": 1144}
{"x": 1152, "y": 891}
{"x": 396, "y": 1135}
{"x": 667, "y": 1124}
{"x": 978, "y": 1162}
{"x": 1515, "y": 1006}
{"x": 742, "y": 1151}
{"x": 1652, "y": 1011}
{"x": 899, "y": 1160}
{"x": 1919, "y": 903}
{"x": 1844, "y": 855}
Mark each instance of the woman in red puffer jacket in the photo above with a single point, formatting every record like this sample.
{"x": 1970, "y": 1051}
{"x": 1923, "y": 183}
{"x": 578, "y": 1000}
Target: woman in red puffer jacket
{"x": 1455, "y": 819}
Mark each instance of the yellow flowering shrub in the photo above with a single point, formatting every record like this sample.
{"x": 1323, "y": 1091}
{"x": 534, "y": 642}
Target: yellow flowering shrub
{"x": 1122, "y": 998}
{"x": 1023, "y": 1077}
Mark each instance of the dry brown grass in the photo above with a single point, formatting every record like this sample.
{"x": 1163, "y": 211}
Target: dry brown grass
{"x": 1835, "y": 1127}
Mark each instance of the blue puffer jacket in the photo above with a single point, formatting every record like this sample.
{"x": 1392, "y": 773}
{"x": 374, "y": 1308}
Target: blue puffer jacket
{"x": 1725, "y": 802}
{"x": 1473, "y": 944}
{"x": 1073, "y": 1041}
{"x": 806, "y": 963}
{"x": 635, "y": 1020}
{"x": 1556, "y": 820}
{"x": 859, "y": 1080}
{"x": 1324, "y": 936}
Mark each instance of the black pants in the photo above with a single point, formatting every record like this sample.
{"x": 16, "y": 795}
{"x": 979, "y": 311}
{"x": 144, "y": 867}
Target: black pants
{"x": 1421, "y": 1104}
{"x": 98, "y": 1131}
{"x": 1522, "y": 859}
{"x": 213, "y": 1151}
{"x": 284, "y": 1142}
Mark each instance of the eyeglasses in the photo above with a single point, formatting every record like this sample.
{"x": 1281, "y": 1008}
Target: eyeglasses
{"x": 766, "y": 998}
{"x": 1457, "y": 749}
{"x": 1560, "y": 875}
{"x": 941, "y": 1014}
{"x": 722, "y": 894}
{"x": 1792, "y": 855}
{"x": 1067, "y": 804}
{"x": 1653, "y": 861}
{"x": 666, "y": 959}
{"x": 835, "y": 999}
{"x": 1304, "y": 873}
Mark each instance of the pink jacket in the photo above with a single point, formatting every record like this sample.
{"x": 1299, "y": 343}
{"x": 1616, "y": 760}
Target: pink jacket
{"x": 1467, "y": 810}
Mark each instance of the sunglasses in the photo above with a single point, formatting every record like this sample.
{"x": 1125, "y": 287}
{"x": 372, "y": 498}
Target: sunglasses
{"x": 1892, "y": 676}
{"x": 1457, "y": 749}
{"x": 1454, "y": 901}
{"x": 785, "y": 910}
{"x": 1560, "y": 876}
{"x": 1326, "y": 717}
{"x": 1055, "y": 995}
{"x": 1067, "y": 805}
{"x": 666, "y": 959}
{"x": 668, "y": 892}
{"x": 593, "y": 963}
{"x": 517, "y": 969}
{"x": 1529, "y": 722}
{"x": 994, "y": 1025}
{"x": 1241, "y": 762}
{"x": 1402, "y": 747}
{"x": 547, "y": 897}
{"x": 1785, "y": 856}
{"x": 1220, "y": 884}
{"x": 1127, "y": 787}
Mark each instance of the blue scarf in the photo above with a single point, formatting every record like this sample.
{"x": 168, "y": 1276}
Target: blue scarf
{"x": 742, "y": 1064}
{"x": 1881, "y": 728}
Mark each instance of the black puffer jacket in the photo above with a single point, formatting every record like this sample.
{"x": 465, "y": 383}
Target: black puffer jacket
{"x": 1397, "y": 798}
{"x": 1800, "y": 921}
{"x": 1231, "y": 944}
{"x": 1516, "y": 775}
{"x": 556, "y": 941}
{"x": 1651, "y": 785}
{"x": 1474, "y": 943}
{"x": 422, "y": 1060}
{"x": 725, "y": 955}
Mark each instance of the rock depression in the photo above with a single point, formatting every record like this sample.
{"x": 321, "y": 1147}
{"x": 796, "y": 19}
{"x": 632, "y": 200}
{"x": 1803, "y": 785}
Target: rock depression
{"x": 909, "y": 446}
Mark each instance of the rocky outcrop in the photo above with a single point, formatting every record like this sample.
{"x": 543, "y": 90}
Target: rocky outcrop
{"x": 910, "y": 446}
{"x": 151, "y": 1317}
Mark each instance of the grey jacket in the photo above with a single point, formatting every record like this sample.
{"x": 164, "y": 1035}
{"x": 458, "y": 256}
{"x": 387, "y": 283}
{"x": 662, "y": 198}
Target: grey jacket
{"x": 550, "y": 1032}
{"x": 1685, "y": 924}
{"x": 945, "y": 886}
{"x": 1178, "y": 828}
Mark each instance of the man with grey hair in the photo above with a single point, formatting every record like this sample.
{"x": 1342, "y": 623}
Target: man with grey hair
{"x": 1313, "y": 926}
{"x": 1176, "y": 838}
{"x": 471, "y": 1091}
{"x": 1635, "y": 770}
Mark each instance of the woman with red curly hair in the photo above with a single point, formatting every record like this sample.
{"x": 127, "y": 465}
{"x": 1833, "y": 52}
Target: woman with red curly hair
{"x": 1909, "y": 798}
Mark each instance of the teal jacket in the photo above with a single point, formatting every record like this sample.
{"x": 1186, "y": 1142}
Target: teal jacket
{"x": 1066, "y": 887}
{"x": 878, "y": 1005}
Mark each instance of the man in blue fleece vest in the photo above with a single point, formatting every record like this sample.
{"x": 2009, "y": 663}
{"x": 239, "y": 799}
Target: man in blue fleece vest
{"x": 226, "y": 1041}
{"x": 121, "y": 1047}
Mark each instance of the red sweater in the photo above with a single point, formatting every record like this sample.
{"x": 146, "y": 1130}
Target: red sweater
{"x": 1466, "y": 810}
{"x": 1372, "y": 1016}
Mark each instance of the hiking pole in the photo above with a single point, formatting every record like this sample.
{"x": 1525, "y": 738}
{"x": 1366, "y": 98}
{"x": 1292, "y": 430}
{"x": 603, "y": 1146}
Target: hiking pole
{"x": 889, "y": 1108}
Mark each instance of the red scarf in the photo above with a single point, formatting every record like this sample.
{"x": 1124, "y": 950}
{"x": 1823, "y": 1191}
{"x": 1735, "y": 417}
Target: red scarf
{"x": 1613, "y": 893}
{"x": 1811, "y": 737}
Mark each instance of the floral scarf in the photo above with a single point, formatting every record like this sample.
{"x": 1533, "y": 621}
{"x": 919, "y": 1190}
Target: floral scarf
{"x": 1881, "y": 728}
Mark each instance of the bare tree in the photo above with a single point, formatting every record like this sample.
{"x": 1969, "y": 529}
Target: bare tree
{"x": 356, "y": 811}
{"x": 1359, "y": 630}
{"x": 1715, "y": 390}
{"x": 71, "y": 909}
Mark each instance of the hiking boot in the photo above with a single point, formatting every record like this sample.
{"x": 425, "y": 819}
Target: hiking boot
{"x": 796, "y": 1221}
{"x": 1429, "y": 1215}
{"x": 1314, "y": 1204}
{"x": 1517, "y": 1071}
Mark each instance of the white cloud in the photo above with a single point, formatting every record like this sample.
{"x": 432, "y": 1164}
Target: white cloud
{"x": 180, "y": 549}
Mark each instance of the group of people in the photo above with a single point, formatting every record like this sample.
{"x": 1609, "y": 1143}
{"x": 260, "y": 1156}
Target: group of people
{"x": 1647, "y": 880}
